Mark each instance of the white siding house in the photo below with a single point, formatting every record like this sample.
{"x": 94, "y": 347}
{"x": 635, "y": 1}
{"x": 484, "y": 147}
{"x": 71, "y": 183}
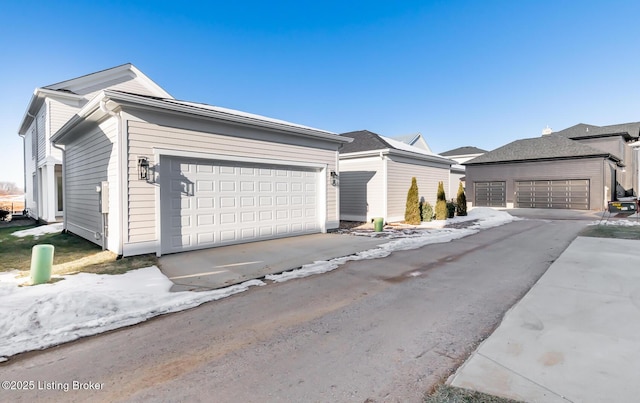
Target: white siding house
{"x": 49, "y": 109}
{"x": 376, "y": 173}
{"x": 216, "y": 176}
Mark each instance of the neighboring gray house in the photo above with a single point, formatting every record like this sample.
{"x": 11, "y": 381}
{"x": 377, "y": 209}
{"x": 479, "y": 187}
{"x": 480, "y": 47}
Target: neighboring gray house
{"x": 461, "y": 155}
{"x": 376, "y": 172}
{"x": 552, "y": 171}
{"x": 147, "y": 174}
{"x": 616, "y": 140}
{"x": 49, "y": 108}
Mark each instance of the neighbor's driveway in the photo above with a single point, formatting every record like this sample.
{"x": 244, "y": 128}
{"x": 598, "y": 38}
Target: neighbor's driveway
{"x": 386, "y": 329}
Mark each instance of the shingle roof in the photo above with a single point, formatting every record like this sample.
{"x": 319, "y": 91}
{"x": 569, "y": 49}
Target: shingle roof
{"x": 363, "y": 140}
{"x": 464, "y": 151}
{"x": 407, "y": 138}
{"x": 552, "y": 146}
{"x": 582, "y": 130}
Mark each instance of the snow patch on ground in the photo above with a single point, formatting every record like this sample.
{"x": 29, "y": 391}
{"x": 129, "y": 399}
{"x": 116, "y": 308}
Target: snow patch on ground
{"x": 621, "y": 223}
{"x": 84, "y": 304}
{"x": 38, "y": 231}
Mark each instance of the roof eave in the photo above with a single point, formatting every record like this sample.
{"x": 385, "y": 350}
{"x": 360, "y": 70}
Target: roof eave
{"x": 38, "y": 97}
{"x": 387, "y": 151}
{"x": 125, "y": 99}
{"x": 608, "y": 156}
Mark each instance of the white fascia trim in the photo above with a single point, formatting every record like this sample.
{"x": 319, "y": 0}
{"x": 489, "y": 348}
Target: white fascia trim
{"x": 59, "y": 94}
{"x": 157, "y": 152}
{"x": 368, "y": 153}
{"x": 39, "y": 95}
{"x": 389, "y": 151}
{"x": 141, "y": 101}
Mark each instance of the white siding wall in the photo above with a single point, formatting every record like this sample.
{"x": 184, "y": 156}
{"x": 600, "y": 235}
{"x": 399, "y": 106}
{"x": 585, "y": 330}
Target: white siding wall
{"x": 361, "y": 189}
{"x": 400, "y": 171}
{"x": 143, "y": 137}
{"x": 88, "y": 160}
{"x": 59, "y": 114}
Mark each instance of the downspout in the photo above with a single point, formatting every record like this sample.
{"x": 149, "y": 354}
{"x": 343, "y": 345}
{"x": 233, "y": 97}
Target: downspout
{"x": 37, "y": 184}
{"x": 604, "y": 184}
{"x": 24, "y": 174}
{"x": 121, "y": 195}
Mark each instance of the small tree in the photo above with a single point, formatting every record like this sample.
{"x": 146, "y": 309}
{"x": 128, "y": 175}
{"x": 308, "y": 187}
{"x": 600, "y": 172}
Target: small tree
{"x": 441, "y": 203}
{"x": 412, "y": 211}
{"x": 451, "y": 209}
{"x": 426, "y": 211}
{"x": 461, "y": 202}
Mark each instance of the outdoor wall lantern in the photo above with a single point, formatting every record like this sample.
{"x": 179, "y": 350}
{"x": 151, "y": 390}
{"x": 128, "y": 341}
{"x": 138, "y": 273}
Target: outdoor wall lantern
{"x": 143, "y": 168}
{"x": 334, "y": 178}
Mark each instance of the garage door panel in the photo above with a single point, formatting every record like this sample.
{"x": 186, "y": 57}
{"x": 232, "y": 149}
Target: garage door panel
{"x": 206, "y": 238}
{"x": 490, "y": 194}
{"x": 266, "y": 201}
{"x": 233, "y": 202}
{"x": 227, "y": 202}
{"x": 206, "y": 219}
{"x": 560, "y": 194}
{"x": 227, "y": 186}
{"x": 228, "y": 236}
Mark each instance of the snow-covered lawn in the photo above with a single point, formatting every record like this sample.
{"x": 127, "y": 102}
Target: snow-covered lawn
{"x": 38, "y": 231}
{"x": 84, "y": 304}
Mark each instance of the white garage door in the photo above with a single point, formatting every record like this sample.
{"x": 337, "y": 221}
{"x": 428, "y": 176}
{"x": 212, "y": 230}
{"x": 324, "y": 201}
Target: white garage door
{"x": 208, "y": 203}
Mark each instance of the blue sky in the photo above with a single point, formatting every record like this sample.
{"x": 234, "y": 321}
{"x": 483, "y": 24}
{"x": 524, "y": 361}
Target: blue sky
{"x": 480, "y": 73}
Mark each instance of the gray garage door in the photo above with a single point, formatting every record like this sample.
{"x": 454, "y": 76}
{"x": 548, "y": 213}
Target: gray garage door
{"x": 490, "y": 194}
{"x": 209, "y": 203}
{"x": 559, "y": 194}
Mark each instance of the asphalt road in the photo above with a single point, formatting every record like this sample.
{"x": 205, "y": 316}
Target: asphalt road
{"x": 379, "y": 330}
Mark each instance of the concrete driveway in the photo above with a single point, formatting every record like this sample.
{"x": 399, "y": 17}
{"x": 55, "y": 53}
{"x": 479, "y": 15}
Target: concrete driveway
{"x": 208, "y": 269}
{"x": 573, "y": 337}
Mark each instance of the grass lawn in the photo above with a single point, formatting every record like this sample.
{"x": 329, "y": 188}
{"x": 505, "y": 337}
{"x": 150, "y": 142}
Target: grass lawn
{"x": 450, "y": 394}
{"x": 612, "y": 231}
{"x": 72, "y": 254}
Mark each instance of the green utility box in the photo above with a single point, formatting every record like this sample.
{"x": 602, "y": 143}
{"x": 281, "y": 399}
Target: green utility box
{"x": 41, "y": 262}
{"x": 378, "y": 224}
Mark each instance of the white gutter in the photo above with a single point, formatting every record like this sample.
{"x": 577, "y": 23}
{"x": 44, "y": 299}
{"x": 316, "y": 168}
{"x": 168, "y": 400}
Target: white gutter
{"x": 172, "y": 106}
{"x": 392, "y": 151}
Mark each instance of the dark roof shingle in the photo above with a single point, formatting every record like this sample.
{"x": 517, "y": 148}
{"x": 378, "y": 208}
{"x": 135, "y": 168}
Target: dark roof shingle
{"x": 552, "y": 146}
{"x": 363, "y": 140}
{"x": 464, "y": 151}
{"x": 582, "y": 130}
